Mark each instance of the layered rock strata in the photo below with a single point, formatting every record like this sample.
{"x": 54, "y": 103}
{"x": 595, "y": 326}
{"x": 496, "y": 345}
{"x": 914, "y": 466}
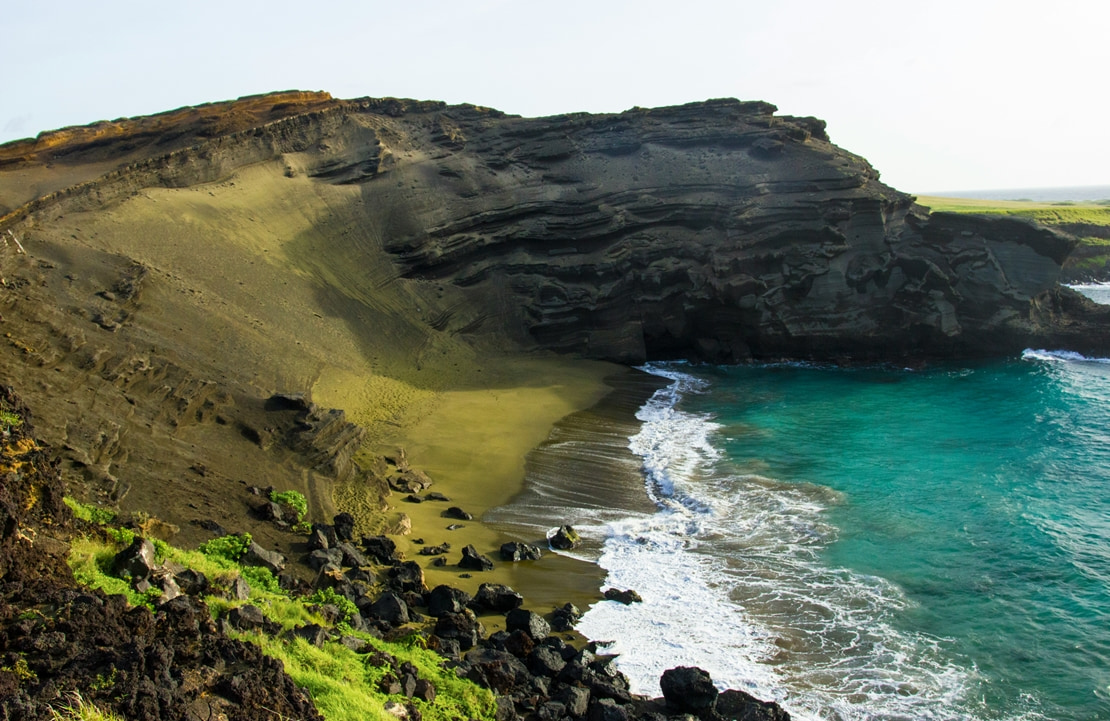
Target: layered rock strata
{"x": 715, "y": 230}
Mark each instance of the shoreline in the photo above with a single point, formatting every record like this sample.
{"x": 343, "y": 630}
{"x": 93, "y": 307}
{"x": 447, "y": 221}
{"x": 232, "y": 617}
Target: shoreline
{"x": 479, "y": 445}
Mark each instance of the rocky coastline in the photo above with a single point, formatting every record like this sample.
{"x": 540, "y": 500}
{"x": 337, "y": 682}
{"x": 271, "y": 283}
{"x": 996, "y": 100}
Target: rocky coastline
{"x": 446, "y": 280}
{"x": 175, "y": 660}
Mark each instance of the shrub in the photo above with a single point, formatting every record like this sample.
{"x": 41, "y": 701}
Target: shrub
{"x": 293, "y": 499}
{"x": 229, "y": 548}
{"x": 328, "y": 595}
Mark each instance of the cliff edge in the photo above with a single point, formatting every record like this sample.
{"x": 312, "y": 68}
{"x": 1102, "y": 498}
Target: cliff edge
{"x": 716, "y": 230}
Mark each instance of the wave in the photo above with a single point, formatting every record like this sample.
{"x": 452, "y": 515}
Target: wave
{"x": 733, "y": 579}
{"x": 1065, "y": 356}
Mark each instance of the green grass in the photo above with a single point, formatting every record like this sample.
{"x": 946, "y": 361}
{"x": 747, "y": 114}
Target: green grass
{"x": 90, "y": 514}
{"x": 91, "y": 562}
{"x": 1046, "y": 213}
{"x": 342, "y": 683}
{"x": 78, "y": 709}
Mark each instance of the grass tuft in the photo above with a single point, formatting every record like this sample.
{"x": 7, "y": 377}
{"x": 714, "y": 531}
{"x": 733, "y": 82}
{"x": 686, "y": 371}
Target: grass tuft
{"x": 90, "y": 513}
{"x": 79, "y": 709}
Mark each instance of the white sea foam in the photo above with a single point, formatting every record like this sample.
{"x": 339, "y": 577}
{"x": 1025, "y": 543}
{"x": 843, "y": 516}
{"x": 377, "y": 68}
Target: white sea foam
{"x": 1060, "y": 356}
{"x": 732, "y": 577}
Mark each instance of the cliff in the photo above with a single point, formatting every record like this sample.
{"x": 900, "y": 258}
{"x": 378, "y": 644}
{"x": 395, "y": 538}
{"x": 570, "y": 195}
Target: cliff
{"x": 379, "y": 253}
{"x": 715, "y": 230}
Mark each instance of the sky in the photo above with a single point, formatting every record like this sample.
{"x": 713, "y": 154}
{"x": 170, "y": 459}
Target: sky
{"x": 936, "y": 95}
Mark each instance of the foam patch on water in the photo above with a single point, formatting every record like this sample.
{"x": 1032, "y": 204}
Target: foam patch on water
{"x": 731, "y": 573}
{"x": 1065, "y": 356}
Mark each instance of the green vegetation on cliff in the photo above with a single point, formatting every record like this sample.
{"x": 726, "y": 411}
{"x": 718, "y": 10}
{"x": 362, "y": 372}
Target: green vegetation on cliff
{"x": 1089, "y": 222}
{"x": 1047, "y": 213}
{"x": 343, "y": 683}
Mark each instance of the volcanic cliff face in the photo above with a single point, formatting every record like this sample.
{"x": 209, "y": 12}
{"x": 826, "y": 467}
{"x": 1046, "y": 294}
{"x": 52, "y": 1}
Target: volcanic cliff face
{"x": 182, "y": 268}
{"x": 715, "y": 230}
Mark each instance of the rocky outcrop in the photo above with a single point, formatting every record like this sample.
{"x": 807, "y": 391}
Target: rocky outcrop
{"x": 716, "y": 230}
{"x": 721, "y": 231}
{"x": 57, "y": 638}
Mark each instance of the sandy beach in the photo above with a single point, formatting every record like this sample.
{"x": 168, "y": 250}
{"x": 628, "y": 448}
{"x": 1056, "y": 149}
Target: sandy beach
{"x": 474, "y": 443}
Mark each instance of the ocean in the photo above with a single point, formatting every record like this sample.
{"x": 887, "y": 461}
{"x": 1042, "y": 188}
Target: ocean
{"x": 856, "y": 543}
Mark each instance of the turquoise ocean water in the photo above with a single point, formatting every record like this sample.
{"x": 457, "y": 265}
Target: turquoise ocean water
{"x": 874, "y": 543}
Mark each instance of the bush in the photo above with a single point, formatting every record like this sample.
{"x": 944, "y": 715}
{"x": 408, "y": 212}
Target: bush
{"x": 345, "y": 605}
{"x": 293, "y": 499}
{"x": 229, "y": 548}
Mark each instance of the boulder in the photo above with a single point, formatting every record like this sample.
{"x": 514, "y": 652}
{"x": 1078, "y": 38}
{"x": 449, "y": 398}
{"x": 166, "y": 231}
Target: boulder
{"x": 474, "y": 561}
{"x": 329, "y": 576}
{"x": 626, "y": 597}
{"x": 606, "y": 709}
{"x": 565, "y": 617}
{"x": 497, "y": 598}
{"x": 314, "y": 633}
{"x": 457, "y": 513}
{"x": 390, "y": 685}
{"x": 436, "y": 496}
{"x": 551, "y": 711}
{"x": 319, "y": 537}
{"x": 447, "y": 647}
{"x": 407, "y": 576}
{"x": 356, "y": 644}
{"x": 733, "y": 704}
{"x": 408, "y": 684}
{"x": 256, "y": 555}
{"x": 565, "y": 650}
{"x": 246, "y": 617}
{"x": 499, "y": 671}
{"x": 165, "y": 583}
{"x": 410, "y": 481}
{"x": 575, "y": 700}
{"x": 425, "y": 690}
{"x": 546, "y": 661}
{"x": 443, "y": 600}
{"x": 270, "y": 511}
{"x": 435, "y": 550}
{"x": 461, "y": 627}
{"x": 518, "y": 643}
{"x": 563, "y": 538}
{"x": 135, "y": 562}
{"x": 688, "y": 689}
{"x": 322, "y": 557}
{"x": 350, "y": 556}
{"x": 344, "y": 527}
{"x": 382, "y": 549}
{"x": 239, "y": 590}
{"x": 514, "y": 551}
{"x": 329, "y": 612}
{"x": 390, "y": 608}
{"x": 191, "y": 582}
{"x": 359, "y": 575}
{"x": 527, "y": 621}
